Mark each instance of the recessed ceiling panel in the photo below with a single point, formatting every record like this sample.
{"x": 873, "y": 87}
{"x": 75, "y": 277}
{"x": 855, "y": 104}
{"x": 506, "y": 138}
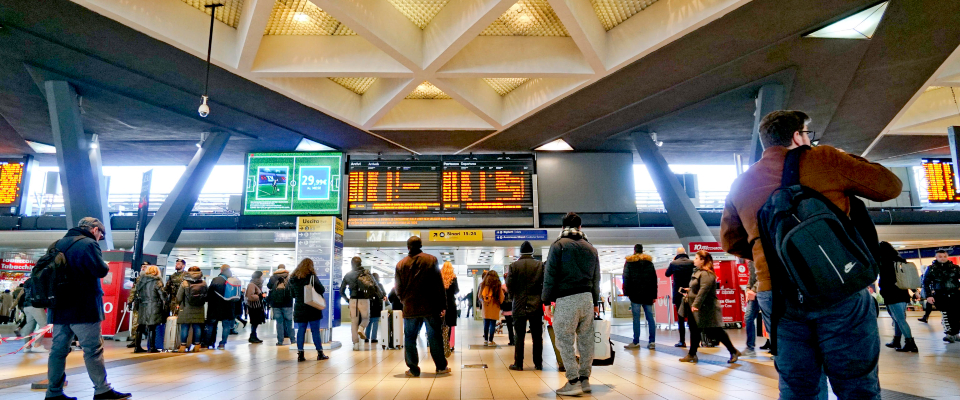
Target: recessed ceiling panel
{"x": 527, "y": 18}
{"x": 356, "y": 85}
{"x": 613, "y": 12}
{"x": 505, "y": 85}
{"x": 427, "y": 91}
{"x": 301, "y": 17}
{"x": 228, "y": 14}
{"x": 420, "y": 12}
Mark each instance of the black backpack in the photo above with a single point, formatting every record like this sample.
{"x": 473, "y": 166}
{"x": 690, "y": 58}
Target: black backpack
{"x": 280, "y": 294}
{"x": 366, "y": 286}
{"x": 49, "y": 277}
{"x": 196, "y": 293}
{"x": 813, "y": 244}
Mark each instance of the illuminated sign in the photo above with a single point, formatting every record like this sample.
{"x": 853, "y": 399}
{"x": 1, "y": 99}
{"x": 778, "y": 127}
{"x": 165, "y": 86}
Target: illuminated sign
{"x": 11, "y": 181}
{"x": 292, "y": 184}
{"x": 941, "y": 187}
{"x": 456, "y": 236}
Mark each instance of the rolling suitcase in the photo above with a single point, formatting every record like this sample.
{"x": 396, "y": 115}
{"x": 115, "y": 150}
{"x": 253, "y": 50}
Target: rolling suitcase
{"x": 391, "y": 329}
{"x": 171, "y": 335}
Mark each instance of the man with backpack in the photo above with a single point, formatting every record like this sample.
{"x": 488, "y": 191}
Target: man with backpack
{"x": 941, "y": 284}
{"x": 281, "y": 299}
{"x": 362, "y": 288}
{"x": 222, "y": 297}
{"x": 70, "y": 288}
{"x": 813, "y": 332}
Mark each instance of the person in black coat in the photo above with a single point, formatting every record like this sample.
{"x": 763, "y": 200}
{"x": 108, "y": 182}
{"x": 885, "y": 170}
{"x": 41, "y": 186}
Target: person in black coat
{"x": 219, "y": 309}
{"x": 525, "y": 283}
{"x": 640, "y": 285}
{"x": 895, "y": 299}
{"x": 681, "y": 269}
{"x": 305, "y": 315}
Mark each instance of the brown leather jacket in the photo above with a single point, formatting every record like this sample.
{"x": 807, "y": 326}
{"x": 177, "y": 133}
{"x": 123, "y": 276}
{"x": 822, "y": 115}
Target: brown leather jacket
{"x": 833, "y": 173}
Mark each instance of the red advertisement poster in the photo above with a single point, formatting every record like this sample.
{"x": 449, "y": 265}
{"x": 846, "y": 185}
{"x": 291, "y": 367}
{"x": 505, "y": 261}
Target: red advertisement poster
{"x": 663, "y": 306}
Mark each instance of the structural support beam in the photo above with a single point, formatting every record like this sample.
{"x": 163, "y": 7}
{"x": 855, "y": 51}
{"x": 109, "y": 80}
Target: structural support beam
{"x": 77, "y": 156}
{"x": 683, "y": 215}
{"x": 953, "y": 135}
{"x": 769, "y": 99}
{"x": 164, "y": 229}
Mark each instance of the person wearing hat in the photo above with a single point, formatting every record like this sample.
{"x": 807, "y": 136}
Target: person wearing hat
{"x": 525, "y": 283}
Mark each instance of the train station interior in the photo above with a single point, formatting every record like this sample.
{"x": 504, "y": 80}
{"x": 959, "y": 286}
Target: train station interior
{"x": 249, "y": 135}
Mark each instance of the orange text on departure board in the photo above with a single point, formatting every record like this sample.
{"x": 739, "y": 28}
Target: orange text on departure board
{"x": 11, "y": 174}
{"x": 941, "y": 186}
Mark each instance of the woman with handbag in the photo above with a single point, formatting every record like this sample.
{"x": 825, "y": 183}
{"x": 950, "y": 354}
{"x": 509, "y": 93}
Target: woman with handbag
{"x": 702, "y": 304}
{"x": 254, "y": 299}
{"x": 307, "y": 306}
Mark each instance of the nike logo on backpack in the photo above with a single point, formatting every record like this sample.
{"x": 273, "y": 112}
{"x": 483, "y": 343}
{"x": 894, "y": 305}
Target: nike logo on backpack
{"x": 848, "y": 267}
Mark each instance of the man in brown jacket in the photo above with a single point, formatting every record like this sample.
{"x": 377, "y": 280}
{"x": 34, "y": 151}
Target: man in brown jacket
{"x": 420, "y": 288}
{"x": 842, "y": 340}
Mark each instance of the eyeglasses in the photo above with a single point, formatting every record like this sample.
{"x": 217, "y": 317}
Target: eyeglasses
{"x": 813, "y": 138}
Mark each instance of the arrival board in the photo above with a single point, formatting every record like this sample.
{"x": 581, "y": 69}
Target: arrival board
{"x": 441, "y": 191}
{"x": 292, "y": 183}
{"x": 941, "y": 187}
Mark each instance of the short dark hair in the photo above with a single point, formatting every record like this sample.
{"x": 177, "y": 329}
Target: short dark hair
{"x": 356, "y": 261}
{"x": 777, "y": 128}
{"x": 572, "y": 220}
{"x": 637, "y": 248}
{"x": 942, "y": 251}
{"x": 414, "y": 243}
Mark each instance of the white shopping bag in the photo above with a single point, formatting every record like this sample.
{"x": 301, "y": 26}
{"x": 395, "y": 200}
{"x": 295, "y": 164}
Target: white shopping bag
{"x": 601, "y": 339}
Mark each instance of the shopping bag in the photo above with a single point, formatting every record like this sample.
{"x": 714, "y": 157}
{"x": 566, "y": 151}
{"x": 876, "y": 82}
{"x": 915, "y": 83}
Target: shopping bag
{"x": 312, "y": 298}
{"x": 601, "y": 339}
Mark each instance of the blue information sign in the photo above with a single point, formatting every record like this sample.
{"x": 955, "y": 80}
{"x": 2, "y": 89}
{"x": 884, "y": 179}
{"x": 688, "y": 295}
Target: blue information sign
{"x": 520, "y": 235}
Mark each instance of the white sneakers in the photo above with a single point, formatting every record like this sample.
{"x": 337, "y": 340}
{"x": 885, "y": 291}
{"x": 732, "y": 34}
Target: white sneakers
{"x": 36, "y": 349}
{"x": 363, "y": 336}
{"x": 356, "y": 347}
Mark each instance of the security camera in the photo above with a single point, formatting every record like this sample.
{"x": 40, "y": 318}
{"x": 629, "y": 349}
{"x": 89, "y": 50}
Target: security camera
{"x": 204, "y": 109}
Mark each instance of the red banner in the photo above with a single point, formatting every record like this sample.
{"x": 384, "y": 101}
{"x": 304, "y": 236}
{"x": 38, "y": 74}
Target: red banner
{"x": 16, "y": 264}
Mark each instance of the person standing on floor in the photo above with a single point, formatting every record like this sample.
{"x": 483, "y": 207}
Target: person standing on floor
{"x": 752, "y": 312}
{"x": 79, "y": 311}
{"x": 450, "y": 289}
{"x": 281, "y": 299}
{"x": 506, "y": 308}
{"x": 640, "y": 286}
{"x": 571, "y": 279}
{"x": 525, "y": 282}
{"x": 151, "y": 305}
{"x": 942, "y": 285}
{"x": 191, "y": 296}
{"x": 359, "y": 301}
{"x": 680, "y": 269}
{"x": 927, "y": 306}
{"x": 492, "y": 294}
{"x": 7, "y": 304}
{"x": 219, "y": 309}
{"x": 469, "y": 298}
{"x": 254, "y": 299}
{"x": 376, "y": 308}
{"x": 702, "y": 308}
{"x": 895, "y": 299}
{"x": 419, "y": 286}
{"x": 304, "y": 315}
{"x": 173, "y": 285}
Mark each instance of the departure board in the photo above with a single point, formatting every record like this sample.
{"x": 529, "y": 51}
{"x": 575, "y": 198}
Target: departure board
{"x": 441, "y": 191}
{"x": 941, "y": 186}
{"x": 11, "y": 181}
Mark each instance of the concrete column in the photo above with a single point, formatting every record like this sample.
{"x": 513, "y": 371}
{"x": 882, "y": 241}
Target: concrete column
{"x": 770, "y": 98}
{"x": 78, "y": 159}
{"x": 683, "y": 215}
{"x": 164, "y": 229}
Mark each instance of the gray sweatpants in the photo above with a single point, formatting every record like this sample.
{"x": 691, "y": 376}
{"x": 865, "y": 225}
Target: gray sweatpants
{"x": 573, "y": 321}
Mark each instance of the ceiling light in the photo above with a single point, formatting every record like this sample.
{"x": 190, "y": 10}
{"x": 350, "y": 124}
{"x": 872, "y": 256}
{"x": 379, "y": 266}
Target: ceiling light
{"x": 309, "y": 145}
{"x": 41, "y": 148}
{"x": 861, "y": 25}
{"x": 556, "y": 145}
{"x": 301, "y": 17}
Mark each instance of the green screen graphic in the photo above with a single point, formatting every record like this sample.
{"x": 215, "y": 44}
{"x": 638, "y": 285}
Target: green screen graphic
{"x": 292, "y": 183}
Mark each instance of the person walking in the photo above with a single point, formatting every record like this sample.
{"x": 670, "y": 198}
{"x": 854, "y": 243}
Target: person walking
{"x": 752, "y": 312}
{"x": 525, "y": 282}
{"x": 359, "y": 301}
{"x": 469, "y": 298}
{"x": 640, "y": 286}
{"x": 79, "y": 312}
{"x": 450, "y": 289}
{"x": 281, "y": 300}
{"x": 376, "y": 308}
{"x": 571, "y": 279}
{"x": 506, "y": 308}
{"x": 6, "y": 306}
{"x": 191, "y": 296}
{"x": 680, "y": 269}
{"x": 702, "y": 304}
{"x": 942, "y": 286}
{"x": 36, "y": 318}
{"x": 419, "y": 286}
{"x": 492, "y": 294}
{"x": 151, "y": 304}
{"x": 254, "y": 299}
{"x": 895, "y": 299}
{"x": 219, "y": 309}
{"x": 306, "y": 316}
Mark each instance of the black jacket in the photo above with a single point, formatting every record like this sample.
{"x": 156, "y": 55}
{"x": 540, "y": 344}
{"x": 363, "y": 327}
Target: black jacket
{"x": 301, "y": 311}
{"x": 640, "y": 279}
{"x": 888, "y": 282}
{"x": 941, "y": 279}
{"x": 219, "y": 309}
{"x": 394, "y": 300}
{"x": 681, "y": 269}
{"x": 451, "y": 293}
{"x": 420, "y": 285}
{"x": 572, "y": 267}
{"x": 83, "y": 298}
{"x": 281, "y": 275}
{"x": 351, "y": 281}
{"x": 525, "y": 283}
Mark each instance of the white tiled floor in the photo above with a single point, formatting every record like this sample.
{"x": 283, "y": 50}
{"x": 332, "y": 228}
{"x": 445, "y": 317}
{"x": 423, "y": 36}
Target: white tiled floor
{"x": 266, "y": 371}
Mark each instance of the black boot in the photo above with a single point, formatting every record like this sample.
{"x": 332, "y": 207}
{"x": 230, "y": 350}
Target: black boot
{"x": 909, "y": 346}
{"x": 152, "y": 341}
{"x": 895, "y": 344}
{"x": 321, "y": 356}
{"x": 300, "y": 357}
{"x": 766, "y": 346}
{"x": 136, "y": 343}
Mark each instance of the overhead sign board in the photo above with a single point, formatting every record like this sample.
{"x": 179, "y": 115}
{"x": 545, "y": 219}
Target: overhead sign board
{"x": 390, "y": 236}
{"x": 292, "y": 183}
{"x": 456, "y": 235}
{"x": 518, "y": 234}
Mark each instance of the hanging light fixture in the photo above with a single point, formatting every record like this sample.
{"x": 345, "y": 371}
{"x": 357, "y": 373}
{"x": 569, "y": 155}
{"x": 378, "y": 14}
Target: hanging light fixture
{"x": 204, "y": 109}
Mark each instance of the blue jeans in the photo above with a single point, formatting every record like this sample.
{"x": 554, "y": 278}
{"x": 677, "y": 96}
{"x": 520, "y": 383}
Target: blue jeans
{"x": 489, "y": 329}
{"x": 372, "y": 328}
{"x": 411, "y": 330}
{"x": 899, "y": 314}
{"x": 648, "y": 312}
{"x": 314, "y": 331}
{"x": 226, "y": 327}
{"x": 284, "y": 318}
{"x": 750, "y": 320}
{"x": 92, "y": 344}
{"x": 841, "y": 342}
{"x": 185, "y": 332}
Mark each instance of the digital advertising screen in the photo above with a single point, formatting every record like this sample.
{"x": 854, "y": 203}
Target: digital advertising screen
{"x": 441, "y": 191}
{"x": 292, "y": 183}
{"x": 941, "y": 186}
{"x": 12, "y": 172}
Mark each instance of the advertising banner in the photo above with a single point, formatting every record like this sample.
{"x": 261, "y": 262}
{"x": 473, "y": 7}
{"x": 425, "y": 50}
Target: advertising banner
{"x": 142, "y": 208}
{"x": 663, "y": 306}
